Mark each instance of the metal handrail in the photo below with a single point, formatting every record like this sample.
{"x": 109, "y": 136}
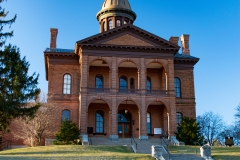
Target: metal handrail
{"x": 196, "y": 146}
{"x": 166, "y": 148}
{"x": 129, "y": 91}
{"x": 133, "y": 140}
{"x": 153, "y": 91}
{"x": 172, "y": 141}
{"x": 98, "y": 90}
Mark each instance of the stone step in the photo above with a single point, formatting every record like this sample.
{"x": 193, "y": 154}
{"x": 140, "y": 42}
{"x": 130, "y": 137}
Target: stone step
{"x": 143, "y": 146}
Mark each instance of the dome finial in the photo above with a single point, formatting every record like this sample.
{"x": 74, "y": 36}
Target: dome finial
{"x": 115, "y": 13}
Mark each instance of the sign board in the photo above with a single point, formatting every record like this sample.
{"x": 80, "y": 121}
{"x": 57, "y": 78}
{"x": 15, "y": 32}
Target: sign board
{"x": 157, "y": 130}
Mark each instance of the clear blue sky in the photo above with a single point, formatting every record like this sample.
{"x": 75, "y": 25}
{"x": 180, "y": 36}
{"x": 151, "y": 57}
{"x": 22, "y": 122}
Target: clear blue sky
{"x": 213, "y": 25}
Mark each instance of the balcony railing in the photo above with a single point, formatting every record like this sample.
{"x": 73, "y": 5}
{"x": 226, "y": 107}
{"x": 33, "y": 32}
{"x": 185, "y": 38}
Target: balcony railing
{"x": 127, "y": 91}
{"x": 155, "y": 91}
{"x": 98, "y": 90}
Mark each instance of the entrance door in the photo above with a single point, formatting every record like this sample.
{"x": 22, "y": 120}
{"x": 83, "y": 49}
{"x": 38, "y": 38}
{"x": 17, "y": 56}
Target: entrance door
{"x": 124, "y": 124}
{"x": 124, "y": 130}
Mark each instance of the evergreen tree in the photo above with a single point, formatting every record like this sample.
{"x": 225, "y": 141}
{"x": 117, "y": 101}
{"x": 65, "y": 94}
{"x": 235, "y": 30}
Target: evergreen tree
{"x": 189, "y": 132}
{"x": 5, "y": 35}
{"x": 17, "y": 89}
{"x": 68, "y": 133}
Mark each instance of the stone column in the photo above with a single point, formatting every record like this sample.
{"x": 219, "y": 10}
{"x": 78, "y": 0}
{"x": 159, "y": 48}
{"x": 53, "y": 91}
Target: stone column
{"x": 114, "y": 107}
{"x": 114, "y": 21}
{"x": 83, "y": 108}
{"x": 143, "y": 75}
{"x": 172, "y": 99}
{"x": 114, "y": 74}
{"x": 138, "y": 87}
{"x": 143, "y": 114}
{"x": 168, "y": 124}
{"x": 143, "y": 122}
{"x": 166, "y": 77}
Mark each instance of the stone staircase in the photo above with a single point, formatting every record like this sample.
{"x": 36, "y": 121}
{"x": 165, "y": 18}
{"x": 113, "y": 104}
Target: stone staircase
{"x": 144, "y": 147}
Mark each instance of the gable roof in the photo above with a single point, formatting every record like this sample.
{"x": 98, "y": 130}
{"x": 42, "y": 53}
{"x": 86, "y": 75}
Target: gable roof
{"x": 105, "y": 39}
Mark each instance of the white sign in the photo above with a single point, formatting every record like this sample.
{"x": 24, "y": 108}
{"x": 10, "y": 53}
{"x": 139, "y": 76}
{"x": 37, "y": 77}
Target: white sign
{"x": 157, "y": 130}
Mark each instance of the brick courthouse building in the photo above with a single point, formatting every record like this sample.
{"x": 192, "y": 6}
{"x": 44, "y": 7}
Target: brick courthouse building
{"x": 123, "y": 81}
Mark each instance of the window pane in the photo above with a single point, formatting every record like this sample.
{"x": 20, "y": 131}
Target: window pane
{"x": 148, "y": 123}
{"x": 99, "y": 122}
{"x": 99, "y": 81}
{"x": 123, "y": 83}
{"x": 118, "y": 23}
{"x": 148, "y": 83}
{"x": 67, "y": 84}
{"x": 110, "y": 23}
{"x": 178, "y": 117}
{"x": 177, "y": 86}
{"x": 65, "y": 114}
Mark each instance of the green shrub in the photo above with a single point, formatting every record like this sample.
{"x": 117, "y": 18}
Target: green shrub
{"x": 189, "y": 132}
{"x": 68, "y": 134}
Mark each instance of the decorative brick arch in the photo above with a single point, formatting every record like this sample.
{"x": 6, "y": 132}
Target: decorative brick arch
{"x": 99, "y": 98}
{"x": 119, "y": 101}
{"x": 94, "y": 58}
{"x": 162, "y": 62}
{"x": 133, "y": 60}
{"x": 158, "y": 100}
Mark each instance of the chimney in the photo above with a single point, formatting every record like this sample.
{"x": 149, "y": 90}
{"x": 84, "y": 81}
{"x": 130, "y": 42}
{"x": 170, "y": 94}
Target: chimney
{"x": 53, "y": 41}
{"x": 174, "y": 40}
{"x": 185, "y": 44}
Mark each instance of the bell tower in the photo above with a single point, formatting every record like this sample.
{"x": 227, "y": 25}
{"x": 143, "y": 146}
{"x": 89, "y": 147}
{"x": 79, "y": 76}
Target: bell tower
{"x": 115, "y": 13}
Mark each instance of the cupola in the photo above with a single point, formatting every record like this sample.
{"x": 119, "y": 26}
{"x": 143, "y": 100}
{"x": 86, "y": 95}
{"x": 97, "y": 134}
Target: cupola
{"x": 115, "y": 13}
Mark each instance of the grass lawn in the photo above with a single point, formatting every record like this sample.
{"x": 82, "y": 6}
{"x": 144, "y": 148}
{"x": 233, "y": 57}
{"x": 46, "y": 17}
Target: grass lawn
{"x": 73, "y": 152}
{"x": 218, "y": 153}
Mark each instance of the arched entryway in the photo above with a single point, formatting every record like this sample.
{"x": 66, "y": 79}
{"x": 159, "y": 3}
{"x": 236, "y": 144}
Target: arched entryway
{"x": 157, "y": 119}
{"x": 99, "y": 77}
{"x": 124, "y": 124}
{"x": 128, "y": 77}
{"x": 98, "y": 118}
{"x": 128, "y": 119}
{"x": 156, "y": 77}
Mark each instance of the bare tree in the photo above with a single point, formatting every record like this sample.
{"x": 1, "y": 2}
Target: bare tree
{"x": 237, "y": 126}
{"x": 231, "y": 131}
{"x": 211, "y": 126}
{"x": 33, "y": 130}
{"x": 237, "y": 115}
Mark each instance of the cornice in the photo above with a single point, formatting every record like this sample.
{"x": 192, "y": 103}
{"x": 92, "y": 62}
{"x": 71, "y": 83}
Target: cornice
{"x": 117, "y": 11}
{"x": 127, "y": 27}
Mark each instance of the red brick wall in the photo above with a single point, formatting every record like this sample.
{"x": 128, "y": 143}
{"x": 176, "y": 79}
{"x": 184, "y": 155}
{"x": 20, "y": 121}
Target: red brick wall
{"x": 186, "y": 104}
{"x": 94, "y": 71}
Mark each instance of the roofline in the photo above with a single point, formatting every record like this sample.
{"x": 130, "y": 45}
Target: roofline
{"x": 123, "y": 27}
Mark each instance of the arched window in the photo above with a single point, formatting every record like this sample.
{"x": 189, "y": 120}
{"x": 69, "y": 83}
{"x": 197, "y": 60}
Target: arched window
{"x": 148, "y": 123}
{"x": 67, "y": 84}
{"x": 99, "y": 81}
{"x": 177, "y": 84}
{"x": 123, "y": 84}
{"x": 104, "y": 26}
{"x": 110, "y": 24}
{"x": 125, "y": 22}
{"x": 66, "y": 115}
{"x": 149, "y": 85}
{"x": 179, "y": 117}
{"x": 118, "y": 23}
{"x": 99, "y": 122}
